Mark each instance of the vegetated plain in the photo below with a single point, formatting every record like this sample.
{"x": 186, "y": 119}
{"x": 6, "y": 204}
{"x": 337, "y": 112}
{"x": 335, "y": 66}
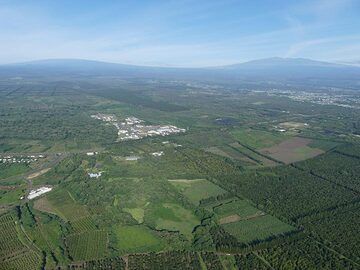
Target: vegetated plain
{"x": 258, "y": 180}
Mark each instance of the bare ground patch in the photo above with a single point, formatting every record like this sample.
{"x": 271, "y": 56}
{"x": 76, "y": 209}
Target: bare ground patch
{"x": 292, "y": 150}
{"x": 36, "y": 174}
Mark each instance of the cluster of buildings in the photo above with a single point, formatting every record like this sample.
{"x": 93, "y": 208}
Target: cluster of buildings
{"x": 133, "y": 128}
{"x": 38, "y": 192}
{"x": 157, "y": 154}
{"x": 20, "y": 159}
{"x": 95, "y": 175}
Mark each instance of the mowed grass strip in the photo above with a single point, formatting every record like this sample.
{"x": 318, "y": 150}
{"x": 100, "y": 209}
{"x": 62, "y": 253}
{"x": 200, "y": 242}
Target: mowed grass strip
{"x": 87, "y": 245}
{"x": 258, "y": 228}
{"x": 197, "y": 189}
{"x": 137, "y": 239}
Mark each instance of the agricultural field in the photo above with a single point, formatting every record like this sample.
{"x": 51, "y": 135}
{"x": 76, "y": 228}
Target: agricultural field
{"x": 197, "y": 189}
{"x": 292, "y": 150}
{"x": 133, "y": 239}
{"x": 87, "y": 245}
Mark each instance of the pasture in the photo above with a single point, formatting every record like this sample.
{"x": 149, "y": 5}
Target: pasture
{"x": 174, "y": 217}
{"x": 257, "y": 138}
{"x": 197, "y": 189}
{"x": 137, "y": 239}
{"x": 257, "y": 228}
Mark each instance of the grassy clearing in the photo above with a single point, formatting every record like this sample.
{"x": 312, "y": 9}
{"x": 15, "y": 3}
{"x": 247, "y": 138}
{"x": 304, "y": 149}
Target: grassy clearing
{"x": 87, "y": 245}
{"x": 257, "y": 228}
{"x": 240, "y": 207}
{"x": 61, "y": 203}
{"x": 257, "y": 138}
{"x": 137, "y": 239}
{"x": 11, "y": 195}
{"x": 197, "y": 189}
{"x": 8, "y": 170}
{"x": 173, "y": 217}
{"x": 136, "y": 213}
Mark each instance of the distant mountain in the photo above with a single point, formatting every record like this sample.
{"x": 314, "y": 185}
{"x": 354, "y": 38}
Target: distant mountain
{"x": 292, "y": 68}
{"x": 270, "y": 69}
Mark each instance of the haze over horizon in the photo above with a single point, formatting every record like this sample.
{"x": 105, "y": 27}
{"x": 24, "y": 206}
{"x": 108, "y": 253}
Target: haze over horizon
{"x": 179, "y": 33}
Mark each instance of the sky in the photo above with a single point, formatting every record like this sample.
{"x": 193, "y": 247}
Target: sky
{"x": 181, "y": 33}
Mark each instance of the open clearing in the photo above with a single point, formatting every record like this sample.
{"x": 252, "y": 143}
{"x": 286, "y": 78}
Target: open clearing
{"x": 258, "y": 228}
{"x": 62, "y": 204}
{"x": 292, "y": 150}
{"x": 136, "y": 239}
{"x": 136, "y": 213}
{"x": 197, "y": 189}
{"x": 257, "y": 138}
{"x": 173, "y": 217}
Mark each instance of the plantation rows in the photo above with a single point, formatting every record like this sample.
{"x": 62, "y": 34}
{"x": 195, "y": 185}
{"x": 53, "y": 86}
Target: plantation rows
{"x": 336, "y": 167}
{"x": 10, "y": 244}
{"x": 303, "y": 254}
{"x": 28, "y": 260}
{"x": 83, "y": 224}
{"x": 166, "y": 260}
{"x": 116, "y": 263}
{"x": 337, "y": 228}
{"x": 87, "y": 245}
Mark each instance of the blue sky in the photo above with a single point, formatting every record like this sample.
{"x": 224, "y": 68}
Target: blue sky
{"x": 191, "y": 33}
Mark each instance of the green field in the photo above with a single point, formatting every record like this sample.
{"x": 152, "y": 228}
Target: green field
{"x": 240, "y": 207}
{"x": 197, "y": 189}
{"x": 8, "y": 170}
{"x": 61, "y": 203}
{"x": 173, "y": 217}
{"x": 137, "y": 239}
{"x": 136, "y": 213}
{"x": 257, "y": 138}
{"x": 257, "y": 228}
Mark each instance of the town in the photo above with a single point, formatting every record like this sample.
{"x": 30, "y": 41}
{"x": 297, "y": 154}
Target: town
{"x": 133, "y": 128}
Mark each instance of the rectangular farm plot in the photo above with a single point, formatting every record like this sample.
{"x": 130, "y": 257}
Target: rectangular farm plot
{"x": 237, "y": 208}
{"x": 87, "y": 245}
{"x": 257, "y": 228}
{"x": 197, "y": 189}
{"x": 137, "y": 239}
{"x": 247, "y": 223}
{"x": 292, "y": 150}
